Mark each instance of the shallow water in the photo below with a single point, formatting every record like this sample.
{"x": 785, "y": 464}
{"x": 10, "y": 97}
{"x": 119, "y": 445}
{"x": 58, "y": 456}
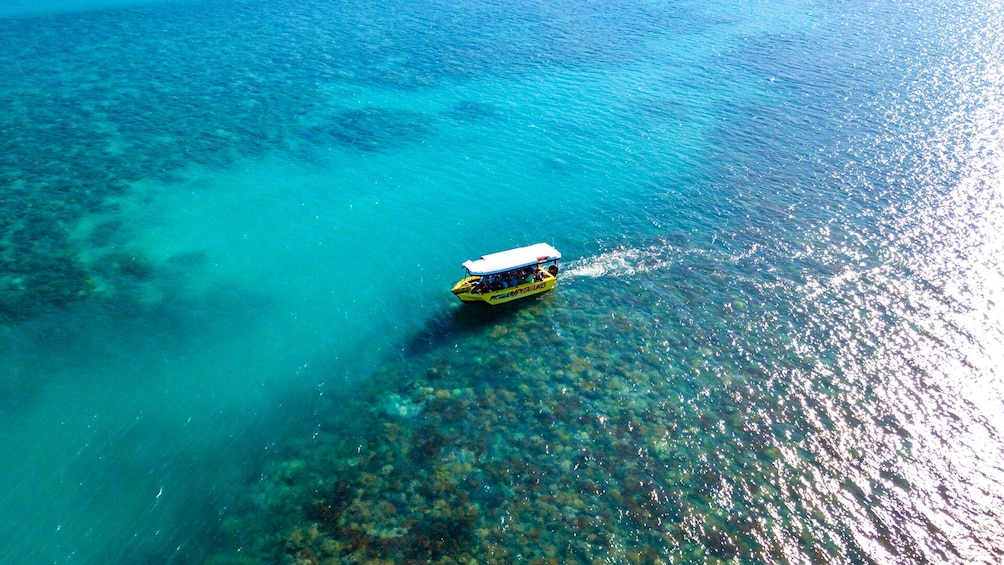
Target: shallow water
{"x": 229, "y": 230}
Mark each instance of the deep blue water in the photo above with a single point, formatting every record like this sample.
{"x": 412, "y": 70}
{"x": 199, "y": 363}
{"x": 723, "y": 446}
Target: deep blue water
{"x": 228, "y": 231}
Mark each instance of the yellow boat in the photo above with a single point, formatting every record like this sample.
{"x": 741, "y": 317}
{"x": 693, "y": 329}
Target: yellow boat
{"x": 509, "y": 275}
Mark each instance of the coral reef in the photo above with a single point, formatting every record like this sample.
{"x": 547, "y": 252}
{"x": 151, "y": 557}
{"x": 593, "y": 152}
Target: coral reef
{"x": 542, "y": 434}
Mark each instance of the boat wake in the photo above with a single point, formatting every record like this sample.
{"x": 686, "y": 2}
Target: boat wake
{"x": 624, "y": 262}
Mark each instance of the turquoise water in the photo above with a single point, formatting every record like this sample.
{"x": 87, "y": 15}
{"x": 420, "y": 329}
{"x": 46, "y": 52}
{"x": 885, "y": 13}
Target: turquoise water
{"x": 229, "y": 229}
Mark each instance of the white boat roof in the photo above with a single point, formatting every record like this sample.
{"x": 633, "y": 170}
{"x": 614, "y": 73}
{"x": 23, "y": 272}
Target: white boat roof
{"x": 512, "y": 259}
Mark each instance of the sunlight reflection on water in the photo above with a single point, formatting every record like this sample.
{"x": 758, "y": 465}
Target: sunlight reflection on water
{"x": 913, "y": 424}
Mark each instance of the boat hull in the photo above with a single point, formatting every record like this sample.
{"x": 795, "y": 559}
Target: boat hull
{"x": 465, "y": 290}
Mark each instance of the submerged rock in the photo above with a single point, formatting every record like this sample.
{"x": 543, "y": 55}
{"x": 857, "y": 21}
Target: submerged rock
{"x": 396, "y": 405}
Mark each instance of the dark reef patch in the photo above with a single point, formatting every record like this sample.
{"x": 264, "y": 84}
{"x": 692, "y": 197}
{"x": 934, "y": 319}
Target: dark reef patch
{"x": 372, "y": 129}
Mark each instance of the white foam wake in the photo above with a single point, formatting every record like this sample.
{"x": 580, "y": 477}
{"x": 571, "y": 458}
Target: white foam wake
{"x": 623, "y": 262}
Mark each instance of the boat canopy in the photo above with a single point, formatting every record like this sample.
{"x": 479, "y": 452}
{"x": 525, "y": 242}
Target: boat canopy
{"x": 512, "y": 259}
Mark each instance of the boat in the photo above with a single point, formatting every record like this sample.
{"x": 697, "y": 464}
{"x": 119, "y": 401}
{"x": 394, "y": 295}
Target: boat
{"x": 509, "y": 275}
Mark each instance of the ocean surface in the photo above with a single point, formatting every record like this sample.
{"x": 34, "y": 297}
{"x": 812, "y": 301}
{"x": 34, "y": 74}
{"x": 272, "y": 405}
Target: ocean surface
{"x": 228, "y": 230}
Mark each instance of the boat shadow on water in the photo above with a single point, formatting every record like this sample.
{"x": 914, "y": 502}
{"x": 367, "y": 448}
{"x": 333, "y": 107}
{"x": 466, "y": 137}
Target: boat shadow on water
{"x": 464, "y": 322}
